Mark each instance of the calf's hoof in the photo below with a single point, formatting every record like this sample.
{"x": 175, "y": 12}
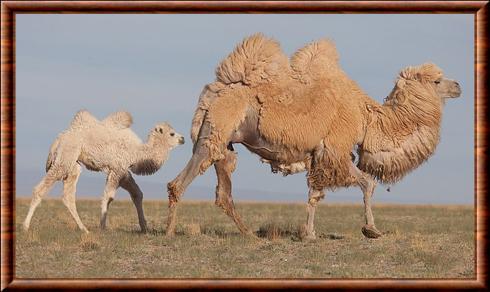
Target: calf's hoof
{"x": 370, "y": 231}
{"x": 170, "y": 232}
{"x": 309, "y": 237}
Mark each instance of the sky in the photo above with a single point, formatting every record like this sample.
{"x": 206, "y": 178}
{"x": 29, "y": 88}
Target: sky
{"x": 155, "y": 66}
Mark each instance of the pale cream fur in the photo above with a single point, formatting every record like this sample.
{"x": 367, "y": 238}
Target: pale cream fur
{"x": 109, "y": 146}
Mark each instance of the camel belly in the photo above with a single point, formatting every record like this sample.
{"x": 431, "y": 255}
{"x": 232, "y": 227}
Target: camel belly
{"x": 281, "y": 159}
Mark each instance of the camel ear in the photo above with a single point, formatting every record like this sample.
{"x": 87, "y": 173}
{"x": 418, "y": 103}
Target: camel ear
{"x": 397, "y": 96}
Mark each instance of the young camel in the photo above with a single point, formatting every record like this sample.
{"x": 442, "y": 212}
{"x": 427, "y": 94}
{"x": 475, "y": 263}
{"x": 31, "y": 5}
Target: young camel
{"x": 304, "y": 113}
{"x": 109, "y": 146}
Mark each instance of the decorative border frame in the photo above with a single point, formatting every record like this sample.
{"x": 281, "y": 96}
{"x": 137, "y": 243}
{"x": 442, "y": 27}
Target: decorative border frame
{"x": 10, "y": 8}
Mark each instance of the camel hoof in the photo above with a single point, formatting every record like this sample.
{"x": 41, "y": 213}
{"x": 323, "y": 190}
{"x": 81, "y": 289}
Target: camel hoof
{"x": 370, "y": 231}
{"x": 251, "y": 235}
{"x": 309, "y": 238}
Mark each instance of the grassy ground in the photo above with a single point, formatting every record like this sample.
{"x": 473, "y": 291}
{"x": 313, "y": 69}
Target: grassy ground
{"x": 420, "y": 242}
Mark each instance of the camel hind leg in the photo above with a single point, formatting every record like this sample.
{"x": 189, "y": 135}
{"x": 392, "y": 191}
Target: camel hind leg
{"x": 69, "y": 189}
{"x": 224, "y": 200}
{"x": 39, "y": 191}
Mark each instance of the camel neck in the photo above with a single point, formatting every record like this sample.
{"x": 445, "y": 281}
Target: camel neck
{"x": 150, "y": 158}
{"x": 400, "y": 137}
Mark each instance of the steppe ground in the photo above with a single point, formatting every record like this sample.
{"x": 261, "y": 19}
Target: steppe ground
{"x": 419, "y": 242}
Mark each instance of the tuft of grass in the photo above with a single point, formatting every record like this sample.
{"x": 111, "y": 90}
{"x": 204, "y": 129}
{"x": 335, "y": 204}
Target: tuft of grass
{"x": 218, "y": 231}
{"x": 192, "y": 229}
{"x": 89, "y": 242}
{"x": 275, "y": 230}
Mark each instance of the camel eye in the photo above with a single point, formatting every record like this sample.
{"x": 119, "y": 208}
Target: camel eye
{"x": 437, "y": 81}
{"x": 172, "y": 134}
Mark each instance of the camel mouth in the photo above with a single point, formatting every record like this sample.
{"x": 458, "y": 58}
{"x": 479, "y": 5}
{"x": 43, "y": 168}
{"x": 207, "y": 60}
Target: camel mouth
{"x": 455, "y": 94}
{"x": 455, "y": 91}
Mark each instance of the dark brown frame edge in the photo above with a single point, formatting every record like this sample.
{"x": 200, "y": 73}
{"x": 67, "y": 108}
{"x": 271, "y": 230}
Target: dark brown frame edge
{"x": 10, "y": 8}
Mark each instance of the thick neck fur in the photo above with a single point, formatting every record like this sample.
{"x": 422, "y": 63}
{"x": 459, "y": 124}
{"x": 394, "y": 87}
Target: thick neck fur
{"x": 150, "y": 156}
{"x": 402, "y": 133}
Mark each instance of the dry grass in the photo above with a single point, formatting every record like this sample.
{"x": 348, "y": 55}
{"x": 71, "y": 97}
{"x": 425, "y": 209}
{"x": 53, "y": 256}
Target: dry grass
{"x": 419, "y": 242}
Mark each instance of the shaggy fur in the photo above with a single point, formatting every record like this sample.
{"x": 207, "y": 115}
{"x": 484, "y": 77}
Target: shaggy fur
{"x": 307, "y": 114}
{"x": 257, "y": 60}
{"x": 109, "y": 146}
{"x": 316, "y": 103}
{"x": 404, "y": 131}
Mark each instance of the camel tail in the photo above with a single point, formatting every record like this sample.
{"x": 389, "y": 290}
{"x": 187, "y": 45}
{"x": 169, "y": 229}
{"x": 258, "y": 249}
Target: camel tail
{"x": 256, "y": 60}
{"x": 52, "y": 154}
{"x": 206, "y": 97}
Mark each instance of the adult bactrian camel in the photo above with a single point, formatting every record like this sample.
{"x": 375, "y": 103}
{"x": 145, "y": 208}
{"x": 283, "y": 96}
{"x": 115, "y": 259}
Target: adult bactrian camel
{"x": 304, "y": 113}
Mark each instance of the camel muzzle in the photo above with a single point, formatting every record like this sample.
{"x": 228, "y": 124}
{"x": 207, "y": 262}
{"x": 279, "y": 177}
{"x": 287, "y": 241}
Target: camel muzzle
{"x": 181, "y": 140}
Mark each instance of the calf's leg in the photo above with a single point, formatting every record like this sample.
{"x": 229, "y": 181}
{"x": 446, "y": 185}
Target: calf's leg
{"x": 136, "y": 194}
{"x": 69, "y": 189}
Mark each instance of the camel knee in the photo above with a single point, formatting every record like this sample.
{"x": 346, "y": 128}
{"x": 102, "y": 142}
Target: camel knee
{"x": 174, "y": 191}
{"x": 37, "y": 196}
{"x": 314, "y": 197}
{"x": 105, "y": 204}
{"x": 68, "y": 201}
{"x": 221, "y": 202}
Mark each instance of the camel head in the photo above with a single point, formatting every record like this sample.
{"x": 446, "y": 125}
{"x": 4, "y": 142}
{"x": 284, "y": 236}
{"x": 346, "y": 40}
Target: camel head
{"x": 163, "y": 133}
{"x": 424, "y": 82}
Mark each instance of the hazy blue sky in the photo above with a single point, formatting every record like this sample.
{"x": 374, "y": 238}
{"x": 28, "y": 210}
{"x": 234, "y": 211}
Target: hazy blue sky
{"x": 156, "y": 65}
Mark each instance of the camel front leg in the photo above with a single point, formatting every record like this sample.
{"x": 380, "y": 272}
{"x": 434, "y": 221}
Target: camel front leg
{"x": 136, "y": 194}
{"x": 199, "y": 162}
{"x": 111, "y": 185}
{"x": 314, "y": 196}
{"x": 367, "y": 184}
{"x": 177, "y": 186}
{"x": 224, "y": 168}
